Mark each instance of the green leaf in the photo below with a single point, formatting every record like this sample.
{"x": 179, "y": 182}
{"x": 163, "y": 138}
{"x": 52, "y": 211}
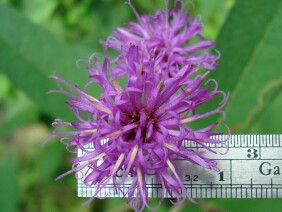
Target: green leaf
{"x": 29, "y": 54}
{"x": 4, "y": 86}
{"x": 155, "y": 202}
{"x": 49, "y": 161}
{"x": 270, "y": 122}
{"x": 250, "y": 44}
{"x": 18, "y": 112}
{"x": 39, "y": 11}
{"x": 246, "y": 205}
{"x": 213, "y": 13}
{"x": 48, "y": 205}
{"x": 9, "y": 192}
{"x": 114, "y": 204}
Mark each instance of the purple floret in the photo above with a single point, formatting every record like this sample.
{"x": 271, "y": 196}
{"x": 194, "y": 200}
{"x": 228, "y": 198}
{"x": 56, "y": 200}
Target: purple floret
{"x": 168, "y": 36}
{"x": 138, "y": 127}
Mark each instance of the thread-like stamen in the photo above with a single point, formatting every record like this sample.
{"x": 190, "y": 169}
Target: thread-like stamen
{"x": 187, "y": 91}
{"x": 91, "y": 98}
{"x": 131, "y": 160}
{"x": 133, "y": 155}
{"x": 103, "y": 109}
{"x": 170, "y": 165}
{"x": 98, "y": 157}
{"x": 89, "y": 131}
{"x": 172, "y": 148}
{"x": 93, "y": 159}
{"x": 117, "y": 87}
{"x": 160, "y": 85}
{"x": 117, "y": 165}
{"x": 119, "y": 132}
{"x": 98, "y": 107}
{"x": 134, "y": 11}
{"x": 187, "y": 120}
{"x": 139, "y": 176}
{"x": 141, "y": 70}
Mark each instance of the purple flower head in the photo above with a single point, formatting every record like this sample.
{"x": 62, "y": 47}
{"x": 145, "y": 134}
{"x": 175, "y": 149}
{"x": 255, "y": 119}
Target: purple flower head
{"x": 166, "y": 36}
{"x": 138, "y": 127}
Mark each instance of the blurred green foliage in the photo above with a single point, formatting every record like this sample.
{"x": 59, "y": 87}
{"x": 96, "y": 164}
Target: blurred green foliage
{"x": 38, "y": 37}
{"x": 251, "y": 66}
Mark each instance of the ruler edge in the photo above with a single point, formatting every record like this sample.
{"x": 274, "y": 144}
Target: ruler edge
{"x": 266, "y": 140}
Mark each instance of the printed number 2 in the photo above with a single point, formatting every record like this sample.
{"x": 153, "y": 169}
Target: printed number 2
{"x": 252, "y": 153}
{"x": 193, "y": 178}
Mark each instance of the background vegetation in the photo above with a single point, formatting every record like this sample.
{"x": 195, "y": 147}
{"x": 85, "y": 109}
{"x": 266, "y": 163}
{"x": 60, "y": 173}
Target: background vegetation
{"x": 39, "y": 37}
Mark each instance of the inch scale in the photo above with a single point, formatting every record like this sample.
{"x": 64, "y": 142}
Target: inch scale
{"x": 252, "y": 168}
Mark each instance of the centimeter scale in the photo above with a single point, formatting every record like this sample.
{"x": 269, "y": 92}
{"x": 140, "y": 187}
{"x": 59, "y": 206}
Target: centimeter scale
{"x": 252, "y": 168}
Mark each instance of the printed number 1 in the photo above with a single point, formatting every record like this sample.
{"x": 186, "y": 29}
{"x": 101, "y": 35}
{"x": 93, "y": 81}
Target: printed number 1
{"x": 221, "y": 176}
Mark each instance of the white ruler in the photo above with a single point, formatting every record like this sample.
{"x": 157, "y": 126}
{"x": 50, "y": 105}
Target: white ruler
{"x": 251, "y": 169}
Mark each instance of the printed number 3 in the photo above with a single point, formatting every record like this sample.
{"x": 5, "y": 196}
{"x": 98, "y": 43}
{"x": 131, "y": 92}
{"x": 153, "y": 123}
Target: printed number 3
{"x": 252, "y": 153}
{"x": 193, "y": 178}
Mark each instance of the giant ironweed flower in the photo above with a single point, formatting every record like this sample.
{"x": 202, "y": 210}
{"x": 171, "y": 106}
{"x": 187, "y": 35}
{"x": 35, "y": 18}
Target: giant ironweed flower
{"x": 138, "y": 127}
{"x": 168, "y": 36}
